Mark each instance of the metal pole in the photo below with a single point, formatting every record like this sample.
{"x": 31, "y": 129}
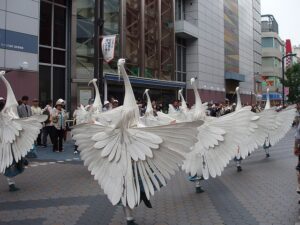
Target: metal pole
{"x": 101, "y": 33}
{"x": 282, "y": 67}
{"x": 96, "y": 40}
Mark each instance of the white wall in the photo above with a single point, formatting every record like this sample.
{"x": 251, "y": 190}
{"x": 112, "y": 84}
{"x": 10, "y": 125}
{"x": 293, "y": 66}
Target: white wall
{"x": 205, "y": 56}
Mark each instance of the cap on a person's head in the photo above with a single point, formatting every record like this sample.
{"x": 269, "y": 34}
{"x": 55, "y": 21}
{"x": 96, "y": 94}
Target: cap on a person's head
{"x": 106, "y": 102}
{"x": 59, "y": 102}
{"x": 2, "y": 99}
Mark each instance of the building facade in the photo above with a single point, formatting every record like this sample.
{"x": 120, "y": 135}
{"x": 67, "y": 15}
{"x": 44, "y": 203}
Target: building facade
{"x": 51, "y": 48}
{"x": 19, "y": 35}
{"x": 221, "y": 41}
{"x": 272, "y": 51}
{"x": 165, "y": 43}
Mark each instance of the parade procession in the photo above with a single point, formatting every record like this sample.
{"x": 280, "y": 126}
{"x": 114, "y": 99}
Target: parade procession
{"x": 132, "y": 156}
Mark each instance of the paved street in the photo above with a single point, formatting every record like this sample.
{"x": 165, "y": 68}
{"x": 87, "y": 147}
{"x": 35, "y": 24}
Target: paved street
{"x": 57, "y": 189}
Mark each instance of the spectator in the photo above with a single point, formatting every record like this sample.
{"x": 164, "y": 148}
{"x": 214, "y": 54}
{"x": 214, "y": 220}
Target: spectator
{"x": 24, "y": 110}
{"x": 107, "y": 106}
{"x": 48, "y": 129}
{"x": 36, "y": 110}
{"x": 59, "y": 117}
{"x": 115, "y": 103}
{"x": 297, "y": 153}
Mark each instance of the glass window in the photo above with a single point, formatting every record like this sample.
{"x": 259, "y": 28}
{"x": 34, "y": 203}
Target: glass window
{"x": 179, "y": 65}
{"x": 59, "y": 27}
{"x": 59, "y": 80}
{"x": 85, "y": 37}
{"x": 45, "y": 23}
{"x": 45, "y": 55}
{"x": 59, "y": 57}
{"x": 45, "y": 84}
{"x": 267, "y": 42}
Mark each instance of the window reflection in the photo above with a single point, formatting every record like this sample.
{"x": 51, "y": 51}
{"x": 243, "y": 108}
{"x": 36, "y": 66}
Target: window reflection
{"x": 85, "y": 37}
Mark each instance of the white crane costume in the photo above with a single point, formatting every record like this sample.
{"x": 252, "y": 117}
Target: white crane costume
{"x": 125, "y": 158}
{"x": 17, "y": 135}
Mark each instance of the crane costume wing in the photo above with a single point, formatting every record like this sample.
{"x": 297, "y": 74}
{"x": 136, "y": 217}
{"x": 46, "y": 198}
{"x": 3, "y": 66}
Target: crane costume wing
{"x": 126, "y": 161}
{"x": 218, "y": 138}
{"x": 16, "y": 135}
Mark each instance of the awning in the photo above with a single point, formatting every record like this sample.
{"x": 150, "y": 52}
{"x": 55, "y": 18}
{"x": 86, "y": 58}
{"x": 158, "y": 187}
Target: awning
{"x": 147, "y": 81}
{"x": 234, "y": 76}
{"x": 273, "y": 96}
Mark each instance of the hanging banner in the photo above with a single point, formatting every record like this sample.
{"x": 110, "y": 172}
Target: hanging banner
{"x": 108, "y": 47}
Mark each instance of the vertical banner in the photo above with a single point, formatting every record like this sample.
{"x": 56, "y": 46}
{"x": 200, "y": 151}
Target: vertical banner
{"x": 108, "y": 47}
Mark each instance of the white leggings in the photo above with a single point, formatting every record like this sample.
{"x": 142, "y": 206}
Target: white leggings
{"x": 128, "y": 213}
{"x": 10, "y": 181}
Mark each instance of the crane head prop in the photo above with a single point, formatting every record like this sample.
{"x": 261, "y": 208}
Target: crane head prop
{"x": 193, "y": 80}
{"x": 121, "y": 62}
{"x": 145, "y": 92}
{"x": 179, "y": 94}
{"x": 92, "y": 81}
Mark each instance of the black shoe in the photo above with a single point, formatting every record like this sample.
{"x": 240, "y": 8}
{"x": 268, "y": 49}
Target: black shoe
{"x": 268, "y": 155}
{"x": 13, "y": 188}
{"x": 145, "y": 200}
{"x": 199, "y": 190}
{"x": 131, "y": 222}
{"x": 239, "y": 169}
{"x": 25, "y": 162}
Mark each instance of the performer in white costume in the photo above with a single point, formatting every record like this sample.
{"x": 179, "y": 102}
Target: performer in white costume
{"x": 128, "y": 160}
{"x": 17, "y": 135}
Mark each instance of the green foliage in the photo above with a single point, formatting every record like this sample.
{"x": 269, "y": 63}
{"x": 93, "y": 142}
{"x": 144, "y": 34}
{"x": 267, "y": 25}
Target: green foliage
{"x": 293, "y": 82}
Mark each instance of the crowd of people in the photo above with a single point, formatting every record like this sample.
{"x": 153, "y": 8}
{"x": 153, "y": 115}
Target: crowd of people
{"x": 54, "y": 126}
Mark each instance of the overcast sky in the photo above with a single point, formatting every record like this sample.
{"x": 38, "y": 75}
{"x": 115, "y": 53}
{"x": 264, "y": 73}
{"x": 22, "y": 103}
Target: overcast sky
{"x": 287, "y": 15}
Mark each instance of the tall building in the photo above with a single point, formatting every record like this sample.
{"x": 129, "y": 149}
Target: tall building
{"x": 53, "y": 47}
{"x": 50, "y": 46}
{"x": 296, "y": 49}
{"x": 272, "y": 51}
{"x": 219, "y": 43}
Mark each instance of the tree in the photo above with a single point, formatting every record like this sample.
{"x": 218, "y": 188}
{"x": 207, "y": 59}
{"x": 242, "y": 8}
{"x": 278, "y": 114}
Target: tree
{"x": 293, "y": 82}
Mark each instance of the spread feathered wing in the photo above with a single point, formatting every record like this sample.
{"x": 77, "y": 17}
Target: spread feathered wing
{"x": 126, "y": 161}
{"x": 284, "y": 119}
{"x": 16, "y": 135}
{"x": 218, "y": 141}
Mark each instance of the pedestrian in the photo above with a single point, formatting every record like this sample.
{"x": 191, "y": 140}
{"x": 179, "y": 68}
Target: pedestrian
{"x": 24, "y": 110}
{"x": 36, "y": 110}
{"x": 59, "y": 117}
{"x": 48, "y": 125}
{"x": 297, "y": 153}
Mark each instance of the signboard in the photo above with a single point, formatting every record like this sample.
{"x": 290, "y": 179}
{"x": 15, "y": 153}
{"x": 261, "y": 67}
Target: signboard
{"x": 17, "y": 41}
{"x": 84, "y": 96}
{"x": 108, "y": 47}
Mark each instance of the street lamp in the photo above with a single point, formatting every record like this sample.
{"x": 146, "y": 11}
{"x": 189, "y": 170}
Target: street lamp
{"x": 282, "y": 66}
